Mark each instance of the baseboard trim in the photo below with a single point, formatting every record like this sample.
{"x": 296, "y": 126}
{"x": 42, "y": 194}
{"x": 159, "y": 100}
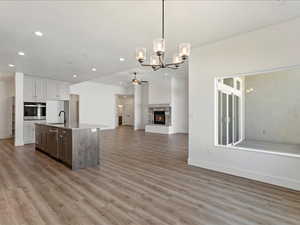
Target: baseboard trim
{"x": 107, "y": 128}
{"x": 279, "y": 181}
{"x": 5, "y": 138}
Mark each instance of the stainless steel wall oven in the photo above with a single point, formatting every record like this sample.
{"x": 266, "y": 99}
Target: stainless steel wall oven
{"x": 34, "y": 111}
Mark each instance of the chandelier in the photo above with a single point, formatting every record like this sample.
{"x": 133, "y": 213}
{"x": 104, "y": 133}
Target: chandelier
{"x": 136, "y": 81}
{"x": 157, "y": 59}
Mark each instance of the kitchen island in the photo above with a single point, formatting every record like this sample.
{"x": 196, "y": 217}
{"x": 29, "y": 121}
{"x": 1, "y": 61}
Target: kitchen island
{"x": 75, "y": 145}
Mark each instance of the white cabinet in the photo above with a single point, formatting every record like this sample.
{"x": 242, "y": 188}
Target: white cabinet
{"x": 52, "y": 90}
{"x": 40, "y": 89}
{"x": 29, "y": 131}
{"x": 57, "y": 90}
{"x": 64, "y": 91}
{"x": 29, "y": 89}
{"x": 29, "y": 134}
{"x": 34, "y": 89}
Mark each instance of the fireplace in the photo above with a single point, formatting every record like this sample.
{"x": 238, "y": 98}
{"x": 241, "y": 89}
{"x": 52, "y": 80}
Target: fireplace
{"x": 159, "y": 117}
{"x": 159, "y": 114}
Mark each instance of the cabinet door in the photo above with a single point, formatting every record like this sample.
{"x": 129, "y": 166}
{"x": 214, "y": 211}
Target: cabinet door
{"x": 41, "y": 137}
{"x": 40, "y": 87}
{"x": 29, "y": 89}
{"x": 44, "y": 132}
{"x": 65, "y": 146}
{"x": 63, "y": 89}
{"x": 52, "y": 142}
{"x": 52, "y": 90}
{"x": 29, "y": 134}
{"x": 38, "y": 136}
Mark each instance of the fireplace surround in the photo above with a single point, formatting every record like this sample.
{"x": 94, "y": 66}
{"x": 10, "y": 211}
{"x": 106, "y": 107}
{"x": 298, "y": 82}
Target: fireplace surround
{"x": 159, "y": 114}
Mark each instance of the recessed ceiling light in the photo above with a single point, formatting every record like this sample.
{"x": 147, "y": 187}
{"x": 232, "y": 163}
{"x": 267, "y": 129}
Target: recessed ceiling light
{"x": 21, "y": 53}
{"x": 11, "y": 65}
{"x": 74, "y": 75}
{"x": 38, "y": 33}
{"x": 122, "y": 59}
{"x": 94, "y": 69}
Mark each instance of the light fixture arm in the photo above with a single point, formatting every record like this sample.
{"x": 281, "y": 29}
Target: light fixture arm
{"x": 159, "y": 60}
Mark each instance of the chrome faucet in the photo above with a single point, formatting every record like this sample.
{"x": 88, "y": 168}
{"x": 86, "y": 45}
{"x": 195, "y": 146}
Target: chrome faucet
{"x": 64, "y": 115}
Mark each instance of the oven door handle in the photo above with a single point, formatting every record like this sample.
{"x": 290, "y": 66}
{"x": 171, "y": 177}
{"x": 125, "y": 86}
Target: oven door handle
{"x": 35, "y": 106}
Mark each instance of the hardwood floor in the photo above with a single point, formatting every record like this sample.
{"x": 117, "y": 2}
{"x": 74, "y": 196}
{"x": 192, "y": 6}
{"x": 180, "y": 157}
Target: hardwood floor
{"x": 143, "y": 179}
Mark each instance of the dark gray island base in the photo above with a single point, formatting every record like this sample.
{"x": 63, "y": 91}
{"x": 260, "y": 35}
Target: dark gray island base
{"x": 75, "y": 145}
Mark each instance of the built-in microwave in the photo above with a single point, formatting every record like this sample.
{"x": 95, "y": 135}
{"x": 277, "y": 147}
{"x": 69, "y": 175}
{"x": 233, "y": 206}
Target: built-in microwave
{"x": 34, "y": 111}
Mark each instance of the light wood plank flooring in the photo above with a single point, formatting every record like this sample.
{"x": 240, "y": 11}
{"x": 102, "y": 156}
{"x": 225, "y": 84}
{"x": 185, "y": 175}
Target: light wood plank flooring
{"x": 143, "y": 179}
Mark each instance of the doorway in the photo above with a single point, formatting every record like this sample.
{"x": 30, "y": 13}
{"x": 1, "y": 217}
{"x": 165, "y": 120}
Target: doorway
{"x": 125, "y": 110}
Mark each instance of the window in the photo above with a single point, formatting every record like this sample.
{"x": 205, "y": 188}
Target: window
{"x": 259, "y": 112}
{"x": 229, "y": 111}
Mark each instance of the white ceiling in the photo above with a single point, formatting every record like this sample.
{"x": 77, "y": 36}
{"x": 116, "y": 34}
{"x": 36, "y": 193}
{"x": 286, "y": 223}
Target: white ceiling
{"x": 124, "y": 78}
{"x": 79, "y": 35}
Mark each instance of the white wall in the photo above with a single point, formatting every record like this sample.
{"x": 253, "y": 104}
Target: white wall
{"x": 97, "y": 103}
{"x": 268, "y": 48}
{"x": 6, "y": 95}
{"x": 179, "y": 103}
{"x": 141, "y": 99}
{"x": 145, "y": 102}
{"x": 19, "y": 108}
{"x": 173, "y": 90}
{"x": 275, "y": 100}
{"x": 160, "y": 91}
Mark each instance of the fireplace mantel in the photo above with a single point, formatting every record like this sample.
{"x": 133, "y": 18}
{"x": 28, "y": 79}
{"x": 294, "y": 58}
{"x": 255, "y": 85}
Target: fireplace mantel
{"x": 158, "y": 105}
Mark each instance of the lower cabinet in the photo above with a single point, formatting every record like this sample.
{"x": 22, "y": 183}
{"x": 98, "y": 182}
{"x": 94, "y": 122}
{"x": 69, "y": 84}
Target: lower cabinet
{"x": 56, "y": 142}
{"x": 28, "y": 132}
{"x": 52, "y": 140}
{"x": 41, "y": 138}
{"x": 76, "y": 148}
{"x": 65, "y": 146}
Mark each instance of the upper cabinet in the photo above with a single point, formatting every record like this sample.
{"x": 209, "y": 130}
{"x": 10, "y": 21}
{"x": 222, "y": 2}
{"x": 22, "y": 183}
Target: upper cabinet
{"x": 57, "y": 90}
{"x": 34, "y": 89}
{"x": 40, "y": 90}
{"x": 52, "y": 93}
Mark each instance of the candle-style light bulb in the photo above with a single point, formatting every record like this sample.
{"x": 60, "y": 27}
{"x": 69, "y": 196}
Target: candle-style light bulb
{"x": 141, "y": 54}
{"x": 159, "y": 46}
{"x": 177, "y": 59}
{"x": 184, "y": 50}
